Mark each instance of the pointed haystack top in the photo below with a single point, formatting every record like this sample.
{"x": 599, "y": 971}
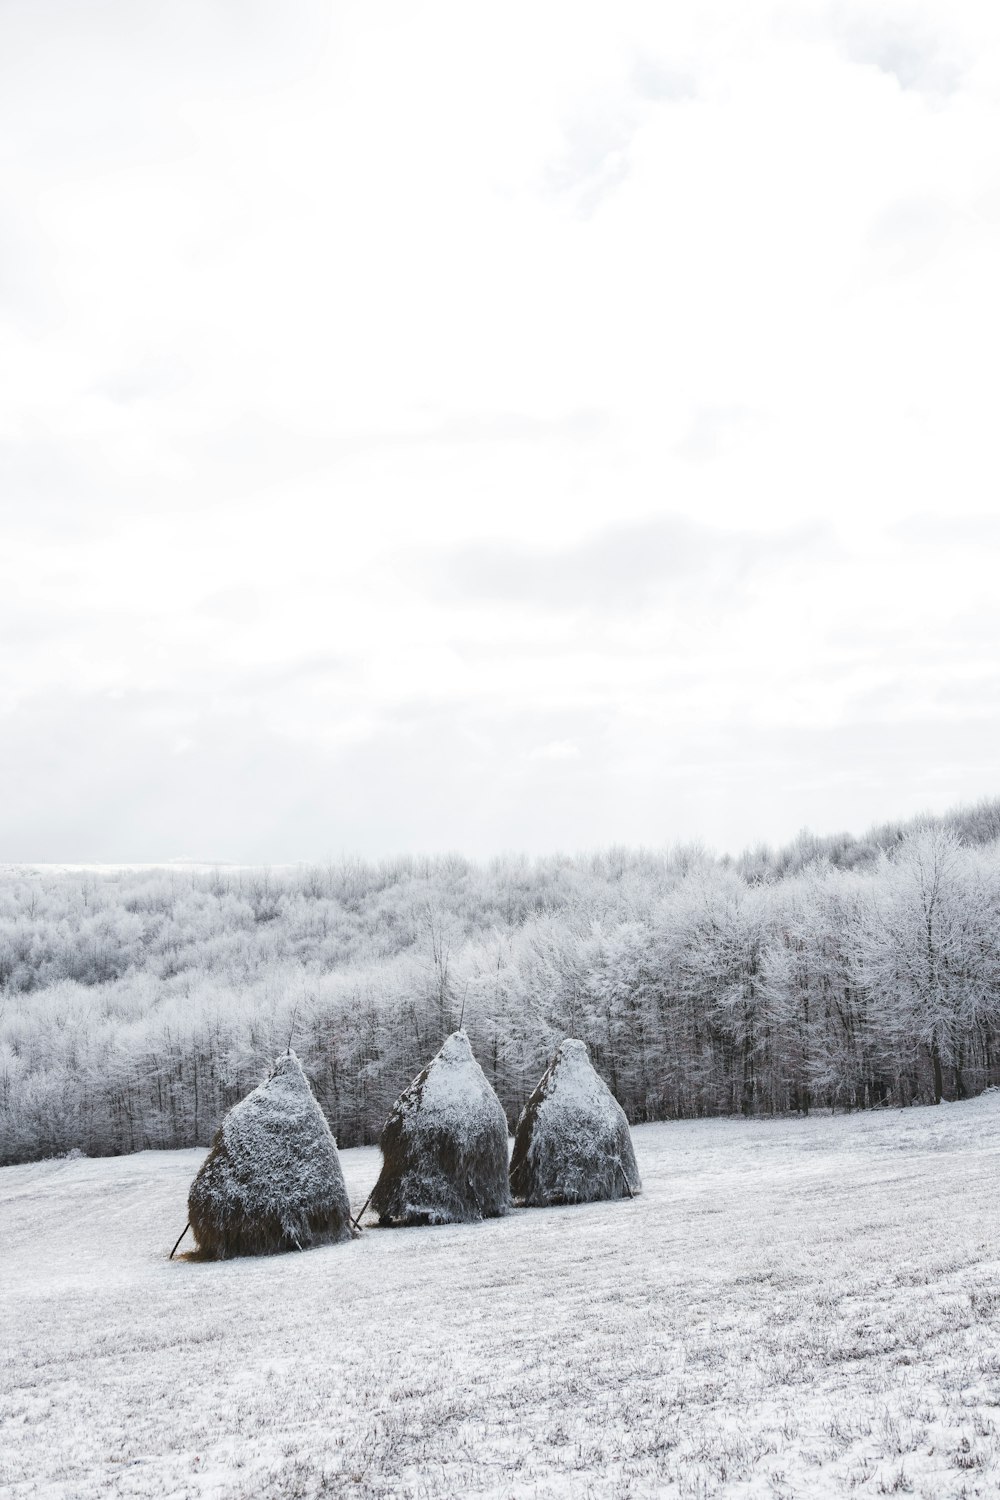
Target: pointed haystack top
{"x": 572, "y": 1143}
{"x": 444, "y": 1145}
{"x": 272, "y": 1179}
{"x": 452, "y": 1092}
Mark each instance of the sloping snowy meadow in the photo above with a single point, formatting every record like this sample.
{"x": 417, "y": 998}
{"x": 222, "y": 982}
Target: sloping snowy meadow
{"x": 791, "y": 1308}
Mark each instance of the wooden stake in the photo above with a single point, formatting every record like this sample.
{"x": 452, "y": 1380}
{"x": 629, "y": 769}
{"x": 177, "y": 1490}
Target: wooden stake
{"x": 357, "y": 1222}
{"x": 183, "y": 1232}
{"x": 625, "y": 1178}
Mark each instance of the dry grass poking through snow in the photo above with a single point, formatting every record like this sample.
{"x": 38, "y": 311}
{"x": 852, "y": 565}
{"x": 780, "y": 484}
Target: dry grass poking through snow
{"x": 792, "y": 1308}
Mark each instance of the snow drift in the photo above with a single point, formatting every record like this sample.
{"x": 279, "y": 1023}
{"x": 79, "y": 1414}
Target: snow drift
{"x": 444, "y": 1146}
{"x": 272, "y": 1180}
{"x": 572, "y": 1143}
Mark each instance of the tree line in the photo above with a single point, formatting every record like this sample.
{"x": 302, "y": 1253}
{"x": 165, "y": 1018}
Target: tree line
{"x": 136, "y": 1006}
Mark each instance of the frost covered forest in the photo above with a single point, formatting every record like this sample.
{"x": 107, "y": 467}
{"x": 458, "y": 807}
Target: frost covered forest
{"x": 138, "y": 1004}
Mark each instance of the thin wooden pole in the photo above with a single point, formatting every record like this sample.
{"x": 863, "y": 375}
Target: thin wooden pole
{"x": 357, "y": 1222}
{"x": 183, "y": 1232}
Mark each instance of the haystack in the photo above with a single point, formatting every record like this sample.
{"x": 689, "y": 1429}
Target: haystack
{"x": 272, "y": 1179}
{"x": 444, "y": 1146}
{"x": 572, "y": 1143}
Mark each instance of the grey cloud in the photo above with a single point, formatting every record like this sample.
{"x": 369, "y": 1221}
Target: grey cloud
{"x": 872, "y": 749}
{"x": 67, "y": 481}
{"x": 595, "y": 157}
{"x": 715, "y": 431}
{"x": 910, "y": 232}
{"x": 968, "y": 637}
{"x": 74, "y": 484}
{"x": 29, "y": 295}
{"x": 24, "y": 625}
{"x": 88, "y": 89}
{"x": 900, "y": 46}
{"x": 257, "y": 453}
{"x": 504, "y": 731}
{"x": 327, "y": 667}
{"x": 948, "y": 531}
{"x": 235, "y": 606}
{"x": 145, "y": 380}
{"x": 98, "y": 86}
{"x": 623, "y": 568}
{"x": 909, "y": 219}
{"x": 142, "y": 778}
{"x": 658, "y": 82}
{"x": 109, "y": 784}
{"x": 505, "y": 427}
{"x": 974, "y": 696}
{"x": 155, "y": 776}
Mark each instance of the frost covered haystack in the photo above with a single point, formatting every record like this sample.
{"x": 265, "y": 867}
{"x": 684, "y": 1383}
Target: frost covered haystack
{"x": 572, "y": 1143}
{"x": 272, "y": 1179}
{"x": 444, "y": 1146}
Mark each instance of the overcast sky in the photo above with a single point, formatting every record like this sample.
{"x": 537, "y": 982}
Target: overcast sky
{"x": 484, "y": 427}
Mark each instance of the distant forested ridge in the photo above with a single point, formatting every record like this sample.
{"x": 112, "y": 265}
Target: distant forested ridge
{"x": 843, "y": 973}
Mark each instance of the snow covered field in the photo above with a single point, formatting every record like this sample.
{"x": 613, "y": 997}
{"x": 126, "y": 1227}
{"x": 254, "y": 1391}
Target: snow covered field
{"x": 791, "y": 1308}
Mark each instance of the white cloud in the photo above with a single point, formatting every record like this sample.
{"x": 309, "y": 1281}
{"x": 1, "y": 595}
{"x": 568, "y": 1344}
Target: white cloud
{"x": 556, "y": 750}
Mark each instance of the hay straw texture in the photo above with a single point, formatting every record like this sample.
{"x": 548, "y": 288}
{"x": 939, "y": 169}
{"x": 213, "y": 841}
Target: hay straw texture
{"x": 572, "y": 1143}
{"x": 272, "y": 1180}
{"x": 444, "y": 1146}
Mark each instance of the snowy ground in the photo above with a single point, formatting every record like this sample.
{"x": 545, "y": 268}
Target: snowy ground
{"x": 791, "y": 1308}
